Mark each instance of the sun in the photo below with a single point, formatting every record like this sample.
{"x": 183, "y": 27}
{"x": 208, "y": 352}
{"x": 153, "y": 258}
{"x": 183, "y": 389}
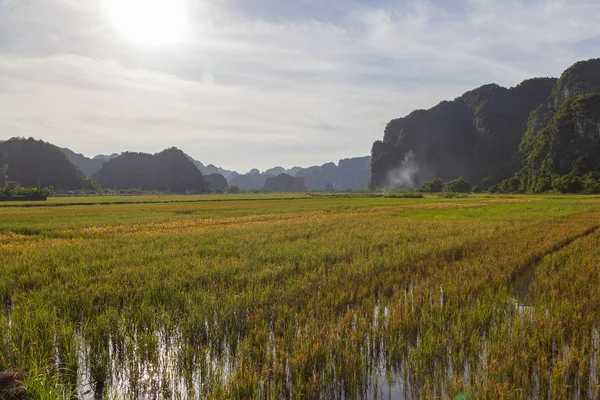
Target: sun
{"x": 148, "y": 22}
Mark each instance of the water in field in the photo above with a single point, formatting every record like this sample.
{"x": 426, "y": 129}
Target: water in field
{"x": 380, "y": 304}
{"x": 142, "y": 370}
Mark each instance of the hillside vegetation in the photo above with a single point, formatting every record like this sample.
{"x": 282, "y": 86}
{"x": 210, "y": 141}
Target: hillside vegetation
{"x": 561, "y": 147}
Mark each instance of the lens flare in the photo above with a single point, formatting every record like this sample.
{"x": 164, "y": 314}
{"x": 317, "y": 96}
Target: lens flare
{"x": 149, "y": 22}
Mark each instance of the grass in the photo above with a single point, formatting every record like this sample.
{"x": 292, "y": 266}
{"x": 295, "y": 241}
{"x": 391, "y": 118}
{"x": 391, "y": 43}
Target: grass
{"x": 302, "y": 296}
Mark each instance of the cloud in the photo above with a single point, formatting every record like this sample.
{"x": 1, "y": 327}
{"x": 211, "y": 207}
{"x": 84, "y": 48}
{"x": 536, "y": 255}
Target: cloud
{"x": 292, "y": 84}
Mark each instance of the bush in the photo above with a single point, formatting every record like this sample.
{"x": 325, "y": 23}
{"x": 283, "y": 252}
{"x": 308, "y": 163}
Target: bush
{"x": 591, "y": 183}
{"x": 510, "y": 185}
{"x": 568, "y": 184}
{"x": 493, "y": 189}
{"x": 486, "y": 182}
{"x": 15, "y": 192}
{"x": 459, "y": 185}
{"x": 453, "y": 195}
{"x": 477, "y": 189}
{"x": 433, "y": 186}
{"x": 543, "y": 184}
{"x": 405, "y": 195}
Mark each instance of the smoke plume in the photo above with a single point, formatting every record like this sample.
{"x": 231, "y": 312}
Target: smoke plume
{"x": 405, "y": 175}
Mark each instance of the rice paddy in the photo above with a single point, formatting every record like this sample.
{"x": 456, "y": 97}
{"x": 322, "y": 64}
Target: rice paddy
{"x": 311, "y": 297}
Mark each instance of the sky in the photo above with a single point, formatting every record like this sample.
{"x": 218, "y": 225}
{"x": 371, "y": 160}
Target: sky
{"x": 261, "y": 83}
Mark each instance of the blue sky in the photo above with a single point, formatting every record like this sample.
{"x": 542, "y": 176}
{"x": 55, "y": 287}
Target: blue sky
{"x": 269, "y": 82}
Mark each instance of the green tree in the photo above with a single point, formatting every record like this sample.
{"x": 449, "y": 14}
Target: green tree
{"x": 477, "y": 189}
{"x": 433, "y": 186}
{"x": 568, "y": 184}
{"x": 486, "y": 182}
{"x": 591, "y": 183}
{"x": 510, "y": 185}
{"x": 459, "y": 185}
{"x": 542, "y": 184}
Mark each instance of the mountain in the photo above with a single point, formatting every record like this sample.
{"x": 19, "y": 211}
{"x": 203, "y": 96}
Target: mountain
{"x": 216, "y": 182}
{"x": 349, "y": 174}
{"x": 354, "y": 173}
{"x": 105, "y": 157}
{"x": 276, "y": 171}
{"x": 563, "y": 135}
{"x": 211, "y": 169}
{"x": 168, "y": 171}
{"x": 475, "y": 136}
{"x": 253, "y": 180}
{"x": 284, "y": 183}
{"x": 294, "y": 170}
{"x": 35, "y": 163}
{"x": 87, "y": 165}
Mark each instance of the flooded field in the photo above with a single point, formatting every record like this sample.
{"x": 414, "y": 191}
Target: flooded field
{"x": 312, "y": 297}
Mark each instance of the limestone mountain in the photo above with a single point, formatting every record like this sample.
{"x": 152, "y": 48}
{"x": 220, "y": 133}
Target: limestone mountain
{"x": 563, "y": 135}
{"x": 476, "y": 136}
{"x": 211, "y": 169}
{"x": 89, "y": 166}
{"x": 105, "y": 157}
{"x": 168, "y": 171}
{"x": 253, "y": 180}
{"x": 348, "y": 174}
{"x": 276, "y": 171}
{"x": 216, "y": 182}
{"x": 35, "y": 163}
{"x": 285, "y": 183}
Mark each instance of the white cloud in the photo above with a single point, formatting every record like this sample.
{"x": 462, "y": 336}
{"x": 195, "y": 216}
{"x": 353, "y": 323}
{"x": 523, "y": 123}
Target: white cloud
{"x": 286, "y": 91}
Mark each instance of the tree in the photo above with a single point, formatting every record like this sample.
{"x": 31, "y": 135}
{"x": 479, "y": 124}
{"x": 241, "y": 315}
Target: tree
{"x": 433, "y": 186}
{"x": 567, "y": 184}
{"x": 591, "y": 183}
{"x": 486, "y": 182}
{"x": 459, "y": 185}
{"x": 510, "y": 185}
{"x": 543, "y": 184}
{"x": 477, "y": 189}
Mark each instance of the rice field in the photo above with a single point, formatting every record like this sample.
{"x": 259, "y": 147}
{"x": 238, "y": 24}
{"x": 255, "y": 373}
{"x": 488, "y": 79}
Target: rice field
{"x": 302, "y": 297}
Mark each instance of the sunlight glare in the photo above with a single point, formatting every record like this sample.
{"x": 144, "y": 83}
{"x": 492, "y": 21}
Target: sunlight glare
{"x": 149, "y": 22}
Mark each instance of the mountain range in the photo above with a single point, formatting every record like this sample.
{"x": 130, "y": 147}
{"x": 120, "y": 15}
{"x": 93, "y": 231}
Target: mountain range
{"x": 543, "y": 134}
{"x": 349, "y": 174}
